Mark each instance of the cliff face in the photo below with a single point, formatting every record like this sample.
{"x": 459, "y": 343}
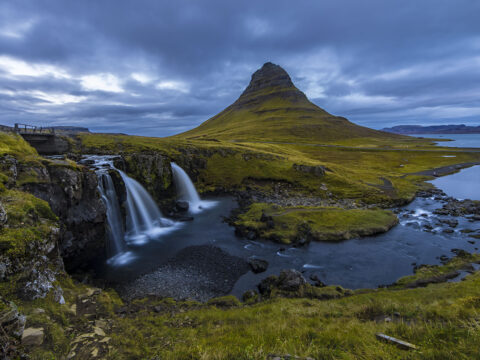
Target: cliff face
{"x": 152, "y": 170}
{"x": 73, "y": 196}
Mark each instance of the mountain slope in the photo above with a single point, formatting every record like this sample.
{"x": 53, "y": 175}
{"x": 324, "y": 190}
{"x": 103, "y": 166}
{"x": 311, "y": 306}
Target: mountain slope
{"x": 272, "y": 109}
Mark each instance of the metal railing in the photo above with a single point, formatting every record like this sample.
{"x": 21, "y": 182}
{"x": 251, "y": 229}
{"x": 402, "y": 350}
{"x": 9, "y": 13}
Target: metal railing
{"x": 32, "y": 129}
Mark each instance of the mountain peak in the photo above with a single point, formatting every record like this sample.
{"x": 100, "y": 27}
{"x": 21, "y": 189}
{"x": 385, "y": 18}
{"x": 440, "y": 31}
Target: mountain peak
{"x": 270, "y": 81}
{"x": 272, "y": 109}
{"x": 268, "y": 76}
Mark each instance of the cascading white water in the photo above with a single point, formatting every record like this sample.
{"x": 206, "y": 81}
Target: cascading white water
{"x": 186, "y": 190}
{"x": 143, "y": 217}
{"x": 115, "y": 229}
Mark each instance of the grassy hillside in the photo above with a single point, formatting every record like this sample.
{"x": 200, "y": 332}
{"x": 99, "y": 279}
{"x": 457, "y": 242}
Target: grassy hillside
{"x": 273, "y": 109}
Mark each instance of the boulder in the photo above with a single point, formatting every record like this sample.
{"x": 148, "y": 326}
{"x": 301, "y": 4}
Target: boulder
{"x": 258, "y": 265}
{"x": 291, "y": 280}
{"x": 182, "y": 206}
{"x": 288, "y": 280}
{"x": 33, "y": 337}
{"x": 267, "y": 284}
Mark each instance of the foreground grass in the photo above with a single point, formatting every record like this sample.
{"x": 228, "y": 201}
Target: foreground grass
{"x": 440, "y": 319}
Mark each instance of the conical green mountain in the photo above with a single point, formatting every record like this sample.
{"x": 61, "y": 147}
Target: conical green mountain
{"x": 272, "y": 109}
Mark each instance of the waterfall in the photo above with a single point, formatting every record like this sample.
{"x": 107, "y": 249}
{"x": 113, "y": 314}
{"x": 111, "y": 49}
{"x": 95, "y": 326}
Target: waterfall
{"x": 143, "y": 217}
{"x": 186, "y": 190}
{"x": 115, "y": 231}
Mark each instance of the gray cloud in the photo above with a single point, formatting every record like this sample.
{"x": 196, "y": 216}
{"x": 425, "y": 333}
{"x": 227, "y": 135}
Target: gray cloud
{"x": 156, "y": 67}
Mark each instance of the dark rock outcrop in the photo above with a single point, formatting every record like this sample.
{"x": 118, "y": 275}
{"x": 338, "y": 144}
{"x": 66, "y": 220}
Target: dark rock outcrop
{"x": 73, "y": 196}
{"x": 182, "y": 206}
{"x": 456, "y": 207}
{"x": 152, "y": 170}
{"x": 289, "y": 280}
{"x": 270, "y": 76}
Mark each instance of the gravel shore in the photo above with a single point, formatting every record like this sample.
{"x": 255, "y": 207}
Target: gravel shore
{"x": 196, "y": 272}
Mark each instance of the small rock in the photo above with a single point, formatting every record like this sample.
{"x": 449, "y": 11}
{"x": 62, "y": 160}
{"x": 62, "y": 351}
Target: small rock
{"x": 258, "y": 265}
{"x": 182, "y": 206}
{"x": 316, "y": 281}
{"x": 249, "y": 294}
{"x": 33, "y": 336}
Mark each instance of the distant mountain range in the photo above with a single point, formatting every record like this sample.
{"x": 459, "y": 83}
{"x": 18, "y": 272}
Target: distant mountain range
{"x": 434, "y": 129}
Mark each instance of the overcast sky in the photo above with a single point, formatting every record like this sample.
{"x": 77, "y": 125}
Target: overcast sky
{"x": 162, "y": 67}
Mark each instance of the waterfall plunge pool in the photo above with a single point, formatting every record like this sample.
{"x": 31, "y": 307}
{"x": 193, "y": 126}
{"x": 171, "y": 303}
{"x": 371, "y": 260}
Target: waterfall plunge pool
{"x": 358, "y": 263}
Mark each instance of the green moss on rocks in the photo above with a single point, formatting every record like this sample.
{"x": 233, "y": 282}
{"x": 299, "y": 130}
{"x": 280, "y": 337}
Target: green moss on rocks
{"x": 303, "y": 224}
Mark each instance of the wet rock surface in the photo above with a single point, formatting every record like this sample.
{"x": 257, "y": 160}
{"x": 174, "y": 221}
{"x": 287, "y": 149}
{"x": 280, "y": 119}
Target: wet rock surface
{"x": 456, "y": 207}
{"x": 196, "y": 272}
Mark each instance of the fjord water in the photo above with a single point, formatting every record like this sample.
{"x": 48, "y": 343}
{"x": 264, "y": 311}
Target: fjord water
{"x": 459, "y": 140}
{"x": 462, "y": 185}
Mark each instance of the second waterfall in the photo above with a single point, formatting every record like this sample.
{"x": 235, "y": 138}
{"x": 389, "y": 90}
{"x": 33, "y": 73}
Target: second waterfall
{"x": 186, "y": 190}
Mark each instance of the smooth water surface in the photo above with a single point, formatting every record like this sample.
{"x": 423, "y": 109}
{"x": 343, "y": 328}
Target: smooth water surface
{"x": 462, "y": 185}
{"x": 359, "y": 263}
{"x": 459, "y": 140}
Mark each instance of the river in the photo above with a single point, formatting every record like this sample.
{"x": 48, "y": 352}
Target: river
{"x": 366, "y": 262}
